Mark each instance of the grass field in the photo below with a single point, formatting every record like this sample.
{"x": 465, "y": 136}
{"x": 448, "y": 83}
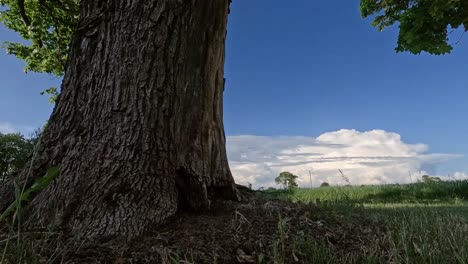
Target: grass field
{"x": 414, "y": 223}
{"x": 421, "y": 222}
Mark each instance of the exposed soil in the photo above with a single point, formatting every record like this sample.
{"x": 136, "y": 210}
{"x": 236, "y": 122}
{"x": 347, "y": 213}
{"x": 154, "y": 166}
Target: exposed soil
{"x": 256, "y": 229}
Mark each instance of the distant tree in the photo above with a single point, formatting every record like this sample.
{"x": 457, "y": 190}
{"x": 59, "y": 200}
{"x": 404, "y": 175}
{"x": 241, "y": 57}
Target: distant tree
{"x": 287, "y": 180}
{"x": 14, "y": 152}
{"x": 424, "y": 24}
{"x": 428, "y": 179}
{"x": 324, "y": 184}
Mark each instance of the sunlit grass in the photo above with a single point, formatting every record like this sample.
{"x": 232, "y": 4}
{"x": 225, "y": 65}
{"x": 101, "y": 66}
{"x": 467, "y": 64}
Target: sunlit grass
{"x": 437, "y": 192}
{"x": 422, "y": 222}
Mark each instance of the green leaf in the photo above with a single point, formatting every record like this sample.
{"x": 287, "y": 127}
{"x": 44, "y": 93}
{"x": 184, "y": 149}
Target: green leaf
{"x": 40, "y": 184}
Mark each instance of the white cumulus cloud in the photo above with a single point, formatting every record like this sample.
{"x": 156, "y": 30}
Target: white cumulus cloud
{"x": 371, "y": 157}
{"x": 7, "y": 128}
{"x": 461, "y": 176}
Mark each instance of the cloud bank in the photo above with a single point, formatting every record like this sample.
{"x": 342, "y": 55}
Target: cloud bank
{"x": 371, "y": 157}
{"x": 7, "y": 128}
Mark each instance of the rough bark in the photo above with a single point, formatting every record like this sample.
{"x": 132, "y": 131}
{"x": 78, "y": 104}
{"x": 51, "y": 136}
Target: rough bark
{"x": 137, "y": 131}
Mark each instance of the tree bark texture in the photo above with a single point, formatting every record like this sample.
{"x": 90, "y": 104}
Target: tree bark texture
{"x": 137, "y": 131}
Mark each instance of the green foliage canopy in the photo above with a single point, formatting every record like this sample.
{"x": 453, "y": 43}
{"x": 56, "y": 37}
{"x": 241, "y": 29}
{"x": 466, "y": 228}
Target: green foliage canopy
{"x": 47, "y": 26}
{"x": 286, "y": 179}
{"x": 14, "y": 152}
{"x": 424, "y": 24}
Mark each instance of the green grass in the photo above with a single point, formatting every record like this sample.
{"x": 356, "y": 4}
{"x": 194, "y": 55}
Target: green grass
{"x": 446, "y": 192}
{"x": 414, "y": 223}
{"x": 421, "y": 222}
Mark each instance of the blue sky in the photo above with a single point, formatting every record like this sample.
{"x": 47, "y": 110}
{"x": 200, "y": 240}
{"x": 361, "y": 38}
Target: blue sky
{"x": 307, "y": 68}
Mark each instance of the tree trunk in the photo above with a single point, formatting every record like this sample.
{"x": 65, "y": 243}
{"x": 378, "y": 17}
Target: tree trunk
{"x": 137, "y": 132}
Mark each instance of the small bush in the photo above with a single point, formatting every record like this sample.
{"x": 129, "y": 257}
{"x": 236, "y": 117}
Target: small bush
{"x": 325, "y": 184}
